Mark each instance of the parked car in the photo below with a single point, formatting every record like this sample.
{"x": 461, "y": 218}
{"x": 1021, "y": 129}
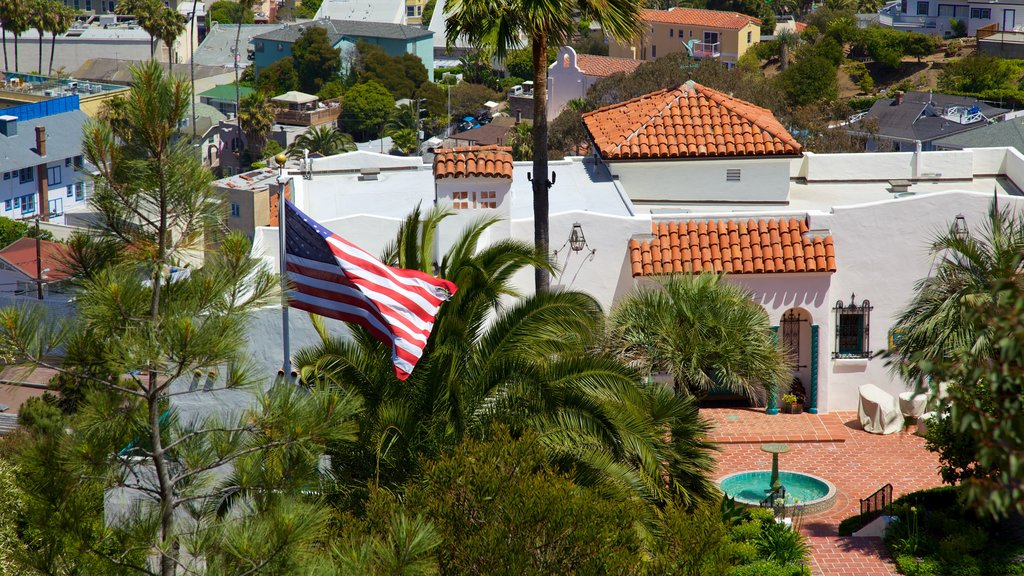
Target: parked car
{"x": 468, "y": 123}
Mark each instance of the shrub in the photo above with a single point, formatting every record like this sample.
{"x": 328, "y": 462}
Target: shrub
{"x": 766, "y": 568}
{"x": 782, "y": 544}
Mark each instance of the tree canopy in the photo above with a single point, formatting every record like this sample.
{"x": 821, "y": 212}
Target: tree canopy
{"x": 316, "y": 61}
{"x": 228, "y": 12}
{"x": 401, "y": 75}
{"x": 367, "y": 108}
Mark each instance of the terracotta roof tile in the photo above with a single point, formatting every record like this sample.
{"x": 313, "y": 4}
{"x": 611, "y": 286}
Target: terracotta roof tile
{"x": 468, "y": 161}
{"x": 766, "y": 246}
{"x": 698, "y": 17}
{"x": 697, "y": 121}
{"x": 605, "y": 65}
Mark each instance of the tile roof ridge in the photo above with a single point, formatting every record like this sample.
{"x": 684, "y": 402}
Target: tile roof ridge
{"x": 674, "y": 94}
{"x": 743, "y": 108}
{"x": 639, "y": 98}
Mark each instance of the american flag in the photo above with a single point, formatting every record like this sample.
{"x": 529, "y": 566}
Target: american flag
{"x": 334, "y": 278}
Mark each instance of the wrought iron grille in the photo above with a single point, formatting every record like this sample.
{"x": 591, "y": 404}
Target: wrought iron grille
{"x": 789, "y": 325}
{"x": 853, "y": 325}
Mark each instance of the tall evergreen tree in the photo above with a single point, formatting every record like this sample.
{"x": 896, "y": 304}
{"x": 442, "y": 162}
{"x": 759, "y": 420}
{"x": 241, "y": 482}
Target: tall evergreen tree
{"x": 167, "y": 315}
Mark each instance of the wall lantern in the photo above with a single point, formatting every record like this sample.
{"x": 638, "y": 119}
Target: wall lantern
{"x": 577, "y": 241}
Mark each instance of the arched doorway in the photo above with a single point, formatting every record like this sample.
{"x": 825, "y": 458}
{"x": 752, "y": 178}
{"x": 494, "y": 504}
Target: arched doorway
{"x": 798, "y": 335}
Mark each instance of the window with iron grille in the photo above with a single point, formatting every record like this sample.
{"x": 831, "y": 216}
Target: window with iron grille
{"x": 732, "y": 174}
{"x": 853, "y": 324}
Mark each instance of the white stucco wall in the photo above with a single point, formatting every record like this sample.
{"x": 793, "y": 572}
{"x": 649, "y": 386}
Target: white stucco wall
{"x": 867, "y": 166}
{"x": 881, "y": 252}
{"x": 662, "y": 181}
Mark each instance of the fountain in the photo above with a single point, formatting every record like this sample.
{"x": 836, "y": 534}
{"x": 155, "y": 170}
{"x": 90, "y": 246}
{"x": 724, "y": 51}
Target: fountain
{"x": 804, "y": 492}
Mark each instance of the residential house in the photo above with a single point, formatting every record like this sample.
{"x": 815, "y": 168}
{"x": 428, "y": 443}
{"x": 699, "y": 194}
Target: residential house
{"x": 218, "y": 47}
{"x": 43, "y": 169}
{"x": 823, "y": 246}
{"x": 917, "y": 119}
{"x": 1005, "y": 134}
{"x": 935, "y": 16}
{"x": 723, "y": 148}
{"x": 223, "y": 97}
{"x": 396, "y": 39}
{"x": 572, "y": 74}
{"x": 29, "y": 267}
{"x": 716, "y": 34}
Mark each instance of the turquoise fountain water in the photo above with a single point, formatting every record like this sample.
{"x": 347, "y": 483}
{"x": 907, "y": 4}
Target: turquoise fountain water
{"x": 804, "y": 492}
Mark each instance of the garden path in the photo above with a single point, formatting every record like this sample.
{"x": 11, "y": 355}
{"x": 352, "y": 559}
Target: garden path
{"x": 834, "y": 447}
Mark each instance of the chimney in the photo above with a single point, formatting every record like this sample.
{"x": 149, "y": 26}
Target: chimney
{"x": 9, "y": 125}
{"x": 899, "y": 98}
{"x": 41, "y": 140}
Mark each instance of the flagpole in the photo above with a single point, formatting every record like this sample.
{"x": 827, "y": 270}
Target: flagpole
{"x": 282, "y": 182}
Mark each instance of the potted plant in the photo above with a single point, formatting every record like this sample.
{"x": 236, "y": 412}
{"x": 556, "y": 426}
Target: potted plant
{"x": 793, "y": 406}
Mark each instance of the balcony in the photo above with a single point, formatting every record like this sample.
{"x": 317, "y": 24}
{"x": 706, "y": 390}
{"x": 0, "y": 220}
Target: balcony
{"x": 705, "y": 50}
{"x": 298, "y": 109}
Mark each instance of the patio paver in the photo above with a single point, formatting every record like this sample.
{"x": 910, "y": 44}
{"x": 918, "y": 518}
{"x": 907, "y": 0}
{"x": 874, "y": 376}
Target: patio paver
{"x": 833, "y": 447}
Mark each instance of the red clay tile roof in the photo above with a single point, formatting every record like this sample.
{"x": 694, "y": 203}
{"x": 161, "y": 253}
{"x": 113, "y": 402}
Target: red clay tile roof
{"x": 687, "y": 121}
{"x": 605, "y": 65}
{"x": 698, "y": 17}
{"x": 21, "y": 254}
{"x": 801, "y": 26}
{"x": 466, "y": 161}
{"x": 744, "y": 247}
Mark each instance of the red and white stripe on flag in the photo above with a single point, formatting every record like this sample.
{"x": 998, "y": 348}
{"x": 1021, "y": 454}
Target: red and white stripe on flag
{"x": 334, "y": 278}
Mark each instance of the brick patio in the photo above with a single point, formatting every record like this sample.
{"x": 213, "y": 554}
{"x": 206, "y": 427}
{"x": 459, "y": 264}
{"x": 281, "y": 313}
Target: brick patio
{"x": 833, "y": 447}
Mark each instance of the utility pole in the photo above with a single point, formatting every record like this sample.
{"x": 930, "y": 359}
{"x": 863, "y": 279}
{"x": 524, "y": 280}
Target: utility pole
{"x": 39, "y": 262}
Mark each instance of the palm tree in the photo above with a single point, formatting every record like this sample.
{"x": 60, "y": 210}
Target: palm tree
{"x": 63, "y": 18}
{"x": 706, "y": 332}
{"x": 936, "y": 325}
{"x": 170, "y": 25}
{"x": 148, "y": 14}
{"x": 786, "y": 39}
{"x": 39, "y": 18}
{"x": 325, "y": 140}
{"x": 6, "y": 9}
{"x": 255, "y": 119}
{"x": 500, "y": 25}
{"x": 520, "y": 138}
{"x": 15, "y": 15}
{"x": 523, "y": 362}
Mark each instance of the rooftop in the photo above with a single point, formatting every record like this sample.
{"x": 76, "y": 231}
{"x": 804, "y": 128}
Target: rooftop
{"x": 688, "y": 121}
{"x": 226, "y": 92}
{"x": 698, "y": 17}
{"x": 741, "y": 246}
{"x": 365, "y": 10}
{"x": 605, "y": 65}
{"x": 582, "y": 185}
{"x": 19, "y": 151}
{"x": 218, "y": 47}
{"x": 473, "y": 161}
{"x": 1006, "y": 133}
{"x": 926, "y": 116}
{"x": 21, "y": 254}
{"x": 118, "y": 72}
{"x": 492, "y": 133}
{"x": 52, "y": 86}
{"x": 338, "y": 29}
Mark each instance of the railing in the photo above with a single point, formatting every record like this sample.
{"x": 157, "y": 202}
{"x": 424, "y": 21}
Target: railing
{"x": 706, "y": 50}
{"x": 881, "y": 500}
{"x": 773, "y": 498}
{"x": 315, "y": 117}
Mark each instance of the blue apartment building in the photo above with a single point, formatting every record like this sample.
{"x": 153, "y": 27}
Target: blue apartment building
{"x": 396, "y": 39}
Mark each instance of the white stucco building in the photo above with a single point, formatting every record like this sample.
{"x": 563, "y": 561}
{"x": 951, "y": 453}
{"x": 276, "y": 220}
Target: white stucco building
{"x": 820, "y": 240}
